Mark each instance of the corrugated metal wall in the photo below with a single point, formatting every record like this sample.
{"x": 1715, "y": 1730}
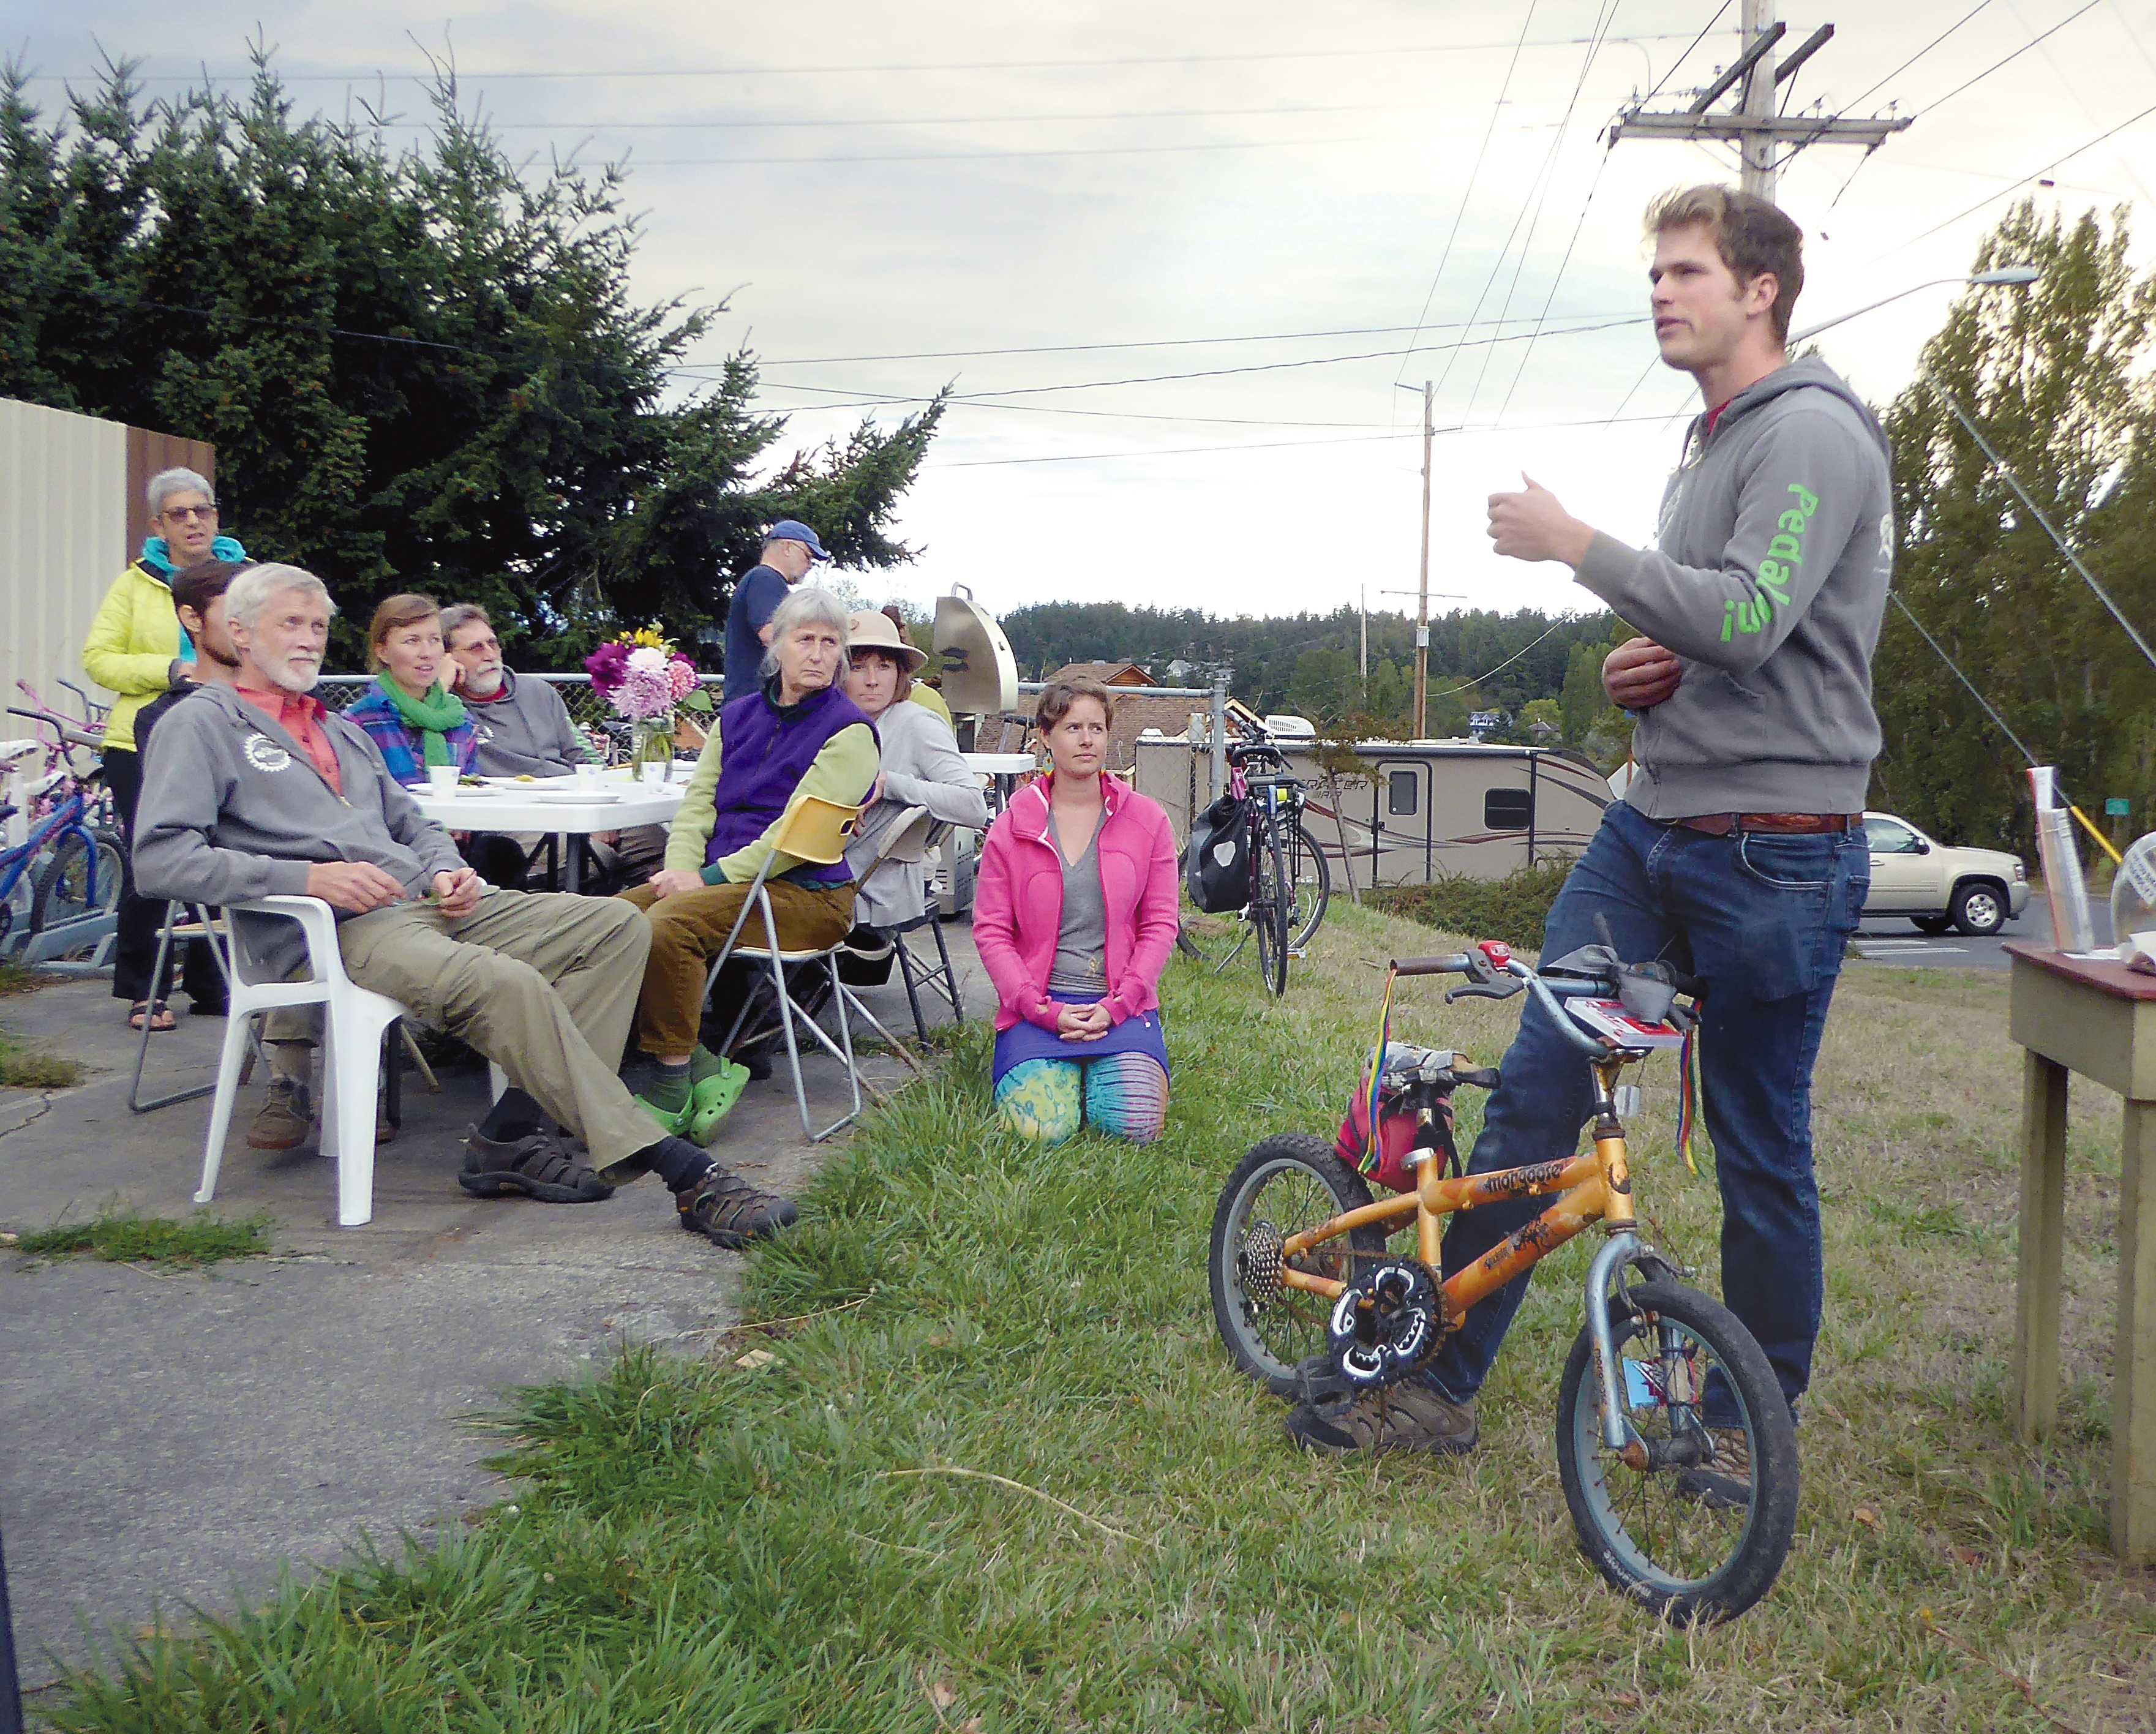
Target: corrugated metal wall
{"x": 71, "y": 515}
{"x": 63, "y": 525}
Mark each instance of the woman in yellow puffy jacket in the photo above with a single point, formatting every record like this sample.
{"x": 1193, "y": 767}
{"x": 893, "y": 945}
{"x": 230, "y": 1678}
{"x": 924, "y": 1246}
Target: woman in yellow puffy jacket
{"x": 136, "y": 650}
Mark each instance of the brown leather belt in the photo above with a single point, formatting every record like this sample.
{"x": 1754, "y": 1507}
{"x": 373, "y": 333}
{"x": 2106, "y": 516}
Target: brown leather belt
{"x": 1785, "y": 824}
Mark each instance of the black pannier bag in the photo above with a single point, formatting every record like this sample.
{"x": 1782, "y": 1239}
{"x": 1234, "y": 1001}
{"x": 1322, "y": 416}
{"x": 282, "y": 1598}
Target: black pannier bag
{"x": 1217, "y": 864}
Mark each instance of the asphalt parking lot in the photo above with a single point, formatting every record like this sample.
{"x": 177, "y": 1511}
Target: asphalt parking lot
{"x": 1891, "y": 940}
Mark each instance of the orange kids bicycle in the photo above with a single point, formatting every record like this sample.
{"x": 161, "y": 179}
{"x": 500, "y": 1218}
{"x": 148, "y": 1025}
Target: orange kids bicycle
{"x": 1675, "y": 1448}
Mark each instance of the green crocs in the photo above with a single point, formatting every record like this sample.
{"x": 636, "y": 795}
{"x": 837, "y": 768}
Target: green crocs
{"x": 711, "y": 1099}
{"x": 675, "y": 1122}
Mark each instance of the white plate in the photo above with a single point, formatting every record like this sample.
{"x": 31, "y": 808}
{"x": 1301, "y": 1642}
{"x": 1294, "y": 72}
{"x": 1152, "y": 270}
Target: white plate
{"x": 464, "y": 791}
{"x": 575, "y": 796}
{"x": 526, "y": 782}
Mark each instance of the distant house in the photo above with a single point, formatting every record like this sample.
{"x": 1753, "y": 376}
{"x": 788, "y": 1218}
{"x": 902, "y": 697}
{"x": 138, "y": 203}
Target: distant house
{"x": 1108, "y": 674}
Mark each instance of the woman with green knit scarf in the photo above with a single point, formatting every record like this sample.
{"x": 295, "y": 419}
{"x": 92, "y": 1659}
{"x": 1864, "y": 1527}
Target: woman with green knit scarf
{"x": 419, "y": 723}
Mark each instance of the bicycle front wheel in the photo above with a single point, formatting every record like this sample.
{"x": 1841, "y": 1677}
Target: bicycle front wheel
{"x": 1310, "y": 879}
{"x": 1286, "y": 1184}
{"x": 1270, "y": 903}
{"x": 1699, "y": 1527}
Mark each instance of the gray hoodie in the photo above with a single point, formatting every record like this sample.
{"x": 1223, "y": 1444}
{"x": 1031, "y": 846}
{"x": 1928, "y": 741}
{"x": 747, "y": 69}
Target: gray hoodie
{"x": 1767, "y": 581}
{"x": 526, "y": 733}
{"x": 232, "y": 809}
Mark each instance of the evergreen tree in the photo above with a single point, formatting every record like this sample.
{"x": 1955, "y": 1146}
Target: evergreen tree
{"x": 421, "y": 369}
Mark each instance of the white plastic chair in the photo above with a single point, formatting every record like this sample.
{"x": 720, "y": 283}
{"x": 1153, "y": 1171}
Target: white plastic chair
{"x": 353, "y": 1021}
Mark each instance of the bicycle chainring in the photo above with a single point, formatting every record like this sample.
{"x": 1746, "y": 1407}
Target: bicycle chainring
{"x": 1386, "y": 1324}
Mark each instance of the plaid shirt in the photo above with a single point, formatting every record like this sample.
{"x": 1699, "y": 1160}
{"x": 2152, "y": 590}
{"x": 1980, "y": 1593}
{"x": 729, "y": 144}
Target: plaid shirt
{"x": 402, "y": 750}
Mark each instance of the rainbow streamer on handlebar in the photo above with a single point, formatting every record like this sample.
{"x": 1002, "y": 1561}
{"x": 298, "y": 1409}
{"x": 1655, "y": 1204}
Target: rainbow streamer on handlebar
{"x": 1368, "y": 1163}
{"x": 1687, "y": 1098}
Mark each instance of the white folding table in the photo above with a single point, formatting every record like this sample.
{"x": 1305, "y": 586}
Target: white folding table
{"x": 556, "y": 804}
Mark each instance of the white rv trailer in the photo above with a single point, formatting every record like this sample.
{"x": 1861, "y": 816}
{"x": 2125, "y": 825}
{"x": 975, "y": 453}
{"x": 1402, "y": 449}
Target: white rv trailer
{"x": 1420, "y": 810}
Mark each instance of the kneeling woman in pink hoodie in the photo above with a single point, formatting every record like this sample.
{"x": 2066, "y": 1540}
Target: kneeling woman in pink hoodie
{"x": 1074, "y": 915}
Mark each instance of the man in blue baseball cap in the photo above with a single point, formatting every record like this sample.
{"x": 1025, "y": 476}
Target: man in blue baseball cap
{"x": 790, "y": 548}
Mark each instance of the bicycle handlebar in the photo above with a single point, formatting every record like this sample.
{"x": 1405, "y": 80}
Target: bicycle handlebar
{"x": 1485, "y": 976}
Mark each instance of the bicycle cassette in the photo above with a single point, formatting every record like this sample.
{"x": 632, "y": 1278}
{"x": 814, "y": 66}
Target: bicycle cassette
{"x": 1386, "y": 1324}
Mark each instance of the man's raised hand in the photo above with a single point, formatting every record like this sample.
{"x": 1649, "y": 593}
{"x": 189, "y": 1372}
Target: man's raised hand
{"x": 1638, "y": 674}
{"x": 1532, "y": 525}
{"x": 356, "y": 885}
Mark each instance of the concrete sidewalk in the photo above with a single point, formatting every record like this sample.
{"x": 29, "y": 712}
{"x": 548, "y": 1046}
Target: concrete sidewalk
{"x": 167, "y": 1438}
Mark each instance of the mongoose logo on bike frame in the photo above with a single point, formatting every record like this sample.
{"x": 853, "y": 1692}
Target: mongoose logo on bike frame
{"x": 1785, "y": 551}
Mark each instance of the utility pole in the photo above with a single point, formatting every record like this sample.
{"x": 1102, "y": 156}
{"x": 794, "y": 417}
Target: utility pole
{"x": 1754, "y": 127}
{"x": 1422, "y": 583}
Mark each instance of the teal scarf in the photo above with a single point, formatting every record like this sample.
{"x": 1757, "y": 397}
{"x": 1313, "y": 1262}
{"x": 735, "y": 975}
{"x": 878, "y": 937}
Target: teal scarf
{"x": 156, "y": 560}
{"x": 428, "y": 716}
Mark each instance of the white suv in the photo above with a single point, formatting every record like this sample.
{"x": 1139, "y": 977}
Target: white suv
{"x": 1975, "y": 889}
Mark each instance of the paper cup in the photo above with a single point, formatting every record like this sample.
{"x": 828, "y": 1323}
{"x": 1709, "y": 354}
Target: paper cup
{"x": 442, "y": 779}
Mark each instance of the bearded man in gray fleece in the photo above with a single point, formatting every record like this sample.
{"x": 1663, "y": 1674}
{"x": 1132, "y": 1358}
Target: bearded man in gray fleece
{"x": 261, "y": 791}
{"x": 1739, "y": 851}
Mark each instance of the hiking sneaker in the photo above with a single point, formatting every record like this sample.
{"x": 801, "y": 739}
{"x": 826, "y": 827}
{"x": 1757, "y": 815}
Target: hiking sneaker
{"x": 1399, "y": 1417}
{"x": 286, "y": 1118}
{"x": 711, "y": 1099}
{"x": 730, "y": 1210}
{"x": 543, "y": 1166}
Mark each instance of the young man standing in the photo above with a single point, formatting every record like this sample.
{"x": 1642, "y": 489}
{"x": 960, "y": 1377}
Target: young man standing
{"x": 790, "y": 548}
{"x": 1739, "y": 850}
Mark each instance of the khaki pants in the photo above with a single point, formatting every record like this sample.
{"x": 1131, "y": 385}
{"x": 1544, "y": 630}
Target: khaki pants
{"x": 687, "y": 930}
{"x": 544, "y": 985}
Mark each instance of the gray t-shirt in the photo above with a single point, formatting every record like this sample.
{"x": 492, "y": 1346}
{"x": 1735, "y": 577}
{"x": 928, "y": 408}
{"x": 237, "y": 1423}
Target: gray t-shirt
{"x": 1081, "y": 942}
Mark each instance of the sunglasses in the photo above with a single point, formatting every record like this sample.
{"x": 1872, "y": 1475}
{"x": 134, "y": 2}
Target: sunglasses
{"x": 191, "y": 514}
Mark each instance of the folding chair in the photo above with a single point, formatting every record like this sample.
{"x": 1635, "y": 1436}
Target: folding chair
{"x": 906, "y": 843}
{"x": 354, "y": 1022}
{"x": 810, "y": 830}
{"x": 215, "y": 935}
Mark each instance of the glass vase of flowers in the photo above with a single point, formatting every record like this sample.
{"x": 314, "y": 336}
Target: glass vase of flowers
{"x": 646, "y": 680}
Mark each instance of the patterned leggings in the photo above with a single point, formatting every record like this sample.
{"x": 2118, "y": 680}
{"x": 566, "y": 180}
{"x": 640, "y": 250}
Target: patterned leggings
{"x": 1123, "y": 1094}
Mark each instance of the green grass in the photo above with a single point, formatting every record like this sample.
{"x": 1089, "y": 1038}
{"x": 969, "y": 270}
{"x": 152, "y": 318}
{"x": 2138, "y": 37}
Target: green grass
{"x": 25, "y": 1069}
{"x": 125, "y": 1237}
{"x": 696, "y": 1545}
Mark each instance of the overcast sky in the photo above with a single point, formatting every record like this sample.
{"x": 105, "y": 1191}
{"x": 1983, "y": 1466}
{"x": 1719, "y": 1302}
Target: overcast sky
{"x": 1279, "y": 200}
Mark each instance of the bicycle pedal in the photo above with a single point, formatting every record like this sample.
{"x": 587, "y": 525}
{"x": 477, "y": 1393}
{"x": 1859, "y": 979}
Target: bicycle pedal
{"x": 1319, "y": 1382}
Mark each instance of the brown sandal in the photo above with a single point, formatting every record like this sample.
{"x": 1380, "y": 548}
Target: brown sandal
{"x": 156, "y": 1011}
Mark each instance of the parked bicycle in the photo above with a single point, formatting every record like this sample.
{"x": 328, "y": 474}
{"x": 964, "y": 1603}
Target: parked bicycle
{"x": 1675, "y": 1446}
{"x": 1250, "y": 854}
{"x": 66, "y": 869}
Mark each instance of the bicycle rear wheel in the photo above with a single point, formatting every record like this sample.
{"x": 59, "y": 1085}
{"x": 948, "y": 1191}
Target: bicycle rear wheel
{"x": 1309, "y": 879}
{"x": 1701, "y": 1532}
{"x": 1285, "y": 1185}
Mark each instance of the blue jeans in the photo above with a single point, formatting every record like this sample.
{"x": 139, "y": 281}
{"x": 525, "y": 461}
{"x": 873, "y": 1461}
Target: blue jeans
{"x": 1763, "y": 919}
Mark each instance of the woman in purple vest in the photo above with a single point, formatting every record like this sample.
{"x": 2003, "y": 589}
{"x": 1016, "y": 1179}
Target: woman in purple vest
{"x": 799, "y": 735}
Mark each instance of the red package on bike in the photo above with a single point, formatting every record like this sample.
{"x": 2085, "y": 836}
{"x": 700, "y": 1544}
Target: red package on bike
{"x": 1396, "y": 1132}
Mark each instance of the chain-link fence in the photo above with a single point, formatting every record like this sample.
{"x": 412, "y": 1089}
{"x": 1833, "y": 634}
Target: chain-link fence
{"x": 607, "y": 733}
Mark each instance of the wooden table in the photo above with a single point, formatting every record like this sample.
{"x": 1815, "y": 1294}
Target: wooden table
{"x": 2099, "y": 1019}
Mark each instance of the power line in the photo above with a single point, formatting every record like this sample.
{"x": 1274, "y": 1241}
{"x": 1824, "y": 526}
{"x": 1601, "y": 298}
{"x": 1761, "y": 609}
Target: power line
{"x": 368, "y": 75}
{"x": 1028, "y": 120}
{"x": 1921, "y": 52}
{"x": 948, "y": 355}
{"x": 1543, "y": 318}
{"x": 1268, "y": 445}
{"x": 1082, "y": 385}
{"x": 2023, "y": 181}
{"x": 1473, "y": 174}
{"x": 1964, "y": 680}
{"x": 1687, "y": 54}
{"x": 1546, "y": 178}
{"x": 1261, "y": 144}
